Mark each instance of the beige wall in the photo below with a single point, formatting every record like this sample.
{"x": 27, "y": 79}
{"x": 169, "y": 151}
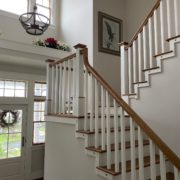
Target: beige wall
{"x": 135, "y": 13}
{"x": 75, "y": 23}
{"x": 106, "y": 64}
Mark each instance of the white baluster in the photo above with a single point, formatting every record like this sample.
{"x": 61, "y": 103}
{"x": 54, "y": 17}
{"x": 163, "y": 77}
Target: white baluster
{"x": 68, "y": 86}
{"x": 130, "y": 69}
{"x": 176, "y": 174}
{"x": 116, "y": 138}
{"x": 151, "y": 59}
{"x": 74, "y": 79}
{"x": 64, "y": 89}
{"x": 176, "y": 17}
{"x": 145, "y": 47}
{"x": 152, "y": 160}
{"x": 56, "y": 104}
{"x": 92, "y": 104}
{"x": 162, "y": 26}
{"x": 135, "y": 78}
{"x": 108, "y": 129}
{"x": 60, "y": 87}
{"x": 140, "y": 57}
{"x": 156, "y": 42}
{"x": 49, "y": 85}
{"x": 162, "y": 166}
{"x": 103, "y": 140}
{"x": 96, "y": 115}
{"x": 169, "y": 19}
{"x": 140, "y": 154}
{"x": 123, "y": 146}
{"x": 133, "y": 153}
{"x": 86, "y": 100}
{"x": 53, "y": 89}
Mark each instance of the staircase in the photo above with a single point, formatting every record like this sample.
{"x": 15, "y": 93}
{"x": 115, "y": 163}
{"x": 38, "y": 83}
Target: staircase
{"x": 123, "y": 145}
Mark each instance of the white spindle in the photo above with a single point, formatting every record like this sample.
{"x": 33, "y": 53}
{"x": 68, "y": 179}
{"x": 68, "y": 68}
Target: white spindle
{"x": 86, "y": 100}
{"x": 64, "y": 89}
{"x": 152, "y": 160}
{"x": 151, "y": 60}
{"x": 56, "y": 104}
{"x": 176, "y": 174}
{"x": 156, "y": 42}
{"x": 133, "y": 153}
{"x": 140, "y": 57}
{"x": 168, "y": 18}
{"x": 74, "y": 79}
{"x": 176, "y": 17}
{"x": 108, "y": 129}
{"x": 130, "y": 69}
{"x": 123, "y": 146}
{"x": 162, "y": 26}
{"x": 162, "y": 165}
{"x": 145, "y": 47}
{"x": 96, "y": 115}
{"x": 92, "y": 104}
{"x": 103, "y": 140}
{"x": 116, "y": 138}
{"x": 49, "y": 85}
{"x": 68, "y": 86}
{"x": 140, "y": 154}
{"x": 135, "y": 78}
{"x": 60, "y": 87}
{"x": 53, "y": 89}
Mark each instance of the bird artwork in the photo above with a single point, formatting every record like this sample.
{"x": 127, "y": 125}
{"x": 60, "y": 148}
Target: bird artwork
{"x": 110, "y": 35}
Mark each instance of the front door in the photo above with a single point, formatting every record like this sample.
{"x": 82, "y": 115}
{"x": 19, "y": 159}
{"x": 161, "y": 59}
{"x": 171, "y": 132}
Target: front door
{"x": 12, "y": 142}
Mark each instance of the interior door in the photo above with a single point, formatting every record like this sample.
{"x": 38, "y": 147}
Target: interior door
{"x": 12, "y": 142}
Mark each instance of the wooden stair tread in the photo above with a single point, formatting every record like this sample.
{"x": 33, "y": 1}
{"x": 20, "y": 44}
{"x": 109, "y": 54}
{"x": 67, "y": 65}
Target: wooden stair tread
{"x": 169, "y": 176}
{"x": 163, "y": 53}
{"x": 128, "y": 145}
{"x": 174, "y": 37}
{"x": 148, "y": 69}
{"x": 128, "y": 166}
{"x": 139, "y": 82}
{"x": 93, "y": 132}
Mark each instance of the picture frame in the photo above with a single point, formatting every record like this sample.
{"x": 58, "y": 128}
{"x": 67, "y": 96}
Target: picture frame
{"x": 110, "y": 33}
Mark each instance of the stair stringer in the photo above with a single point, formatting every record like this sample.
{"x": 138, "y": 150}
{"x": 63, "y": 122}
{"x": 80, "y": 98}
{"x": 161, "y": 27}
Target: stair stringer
{"x": 159, "y": 59}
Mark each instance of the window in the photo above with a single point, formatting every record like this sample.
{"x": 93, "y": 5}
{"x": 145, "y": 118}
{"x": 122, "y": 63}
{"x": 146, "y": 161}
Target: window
{"x": 39, "y": 108}
{"x": 22, "y": 6}
{"x": 10, "y": 137}
{"x": 43, "y": 7}
{"x": 9, "y": 88}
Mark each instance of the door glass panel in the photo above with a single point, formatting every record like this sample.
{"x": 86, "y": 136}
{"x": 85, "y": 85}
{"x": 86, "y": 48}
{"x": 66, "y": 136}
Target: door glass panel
{"x": 3, "y": 145}
{"x": 10, "y": 133}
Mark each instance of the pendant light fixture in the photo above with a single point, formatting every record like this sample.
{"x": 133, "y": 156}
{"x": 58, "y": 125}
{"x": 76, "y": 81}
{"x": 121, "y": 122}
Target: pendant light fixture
{"x": 34, "y": 23}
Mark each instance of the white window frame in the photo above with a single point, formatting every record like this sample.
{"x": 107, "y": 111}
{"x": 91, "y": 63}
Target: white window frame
{"x": 30, "y": 6}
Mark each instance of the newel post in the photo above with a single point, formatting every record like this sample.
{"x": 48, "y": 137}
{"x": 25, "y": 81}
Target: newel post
{"x": 48, "y": 85}
{"x": 124, "y": 68}
{"x": 79, "y": 99}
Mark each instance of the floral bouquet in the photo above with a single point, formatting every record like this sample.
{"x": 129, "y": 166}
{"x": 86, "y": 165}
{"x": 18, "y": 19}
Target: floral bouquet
{"x": 51, "y": 43}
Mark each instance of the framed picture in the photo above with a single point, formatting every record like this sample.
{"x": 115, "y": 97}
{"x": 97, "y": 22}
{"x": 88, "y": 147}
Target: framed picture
{"x": 109, "y": 33}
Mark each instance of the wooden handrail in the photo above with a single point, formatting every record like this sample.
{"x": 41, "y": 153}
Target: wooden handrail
{"x": 138, "y": 120}
{"x": 144, "y": 23}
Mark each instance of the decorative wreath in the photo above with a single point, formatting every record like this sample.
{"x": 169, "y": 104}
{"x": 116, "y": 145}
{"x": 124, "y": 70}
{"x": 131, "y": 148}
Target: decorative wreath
{"x": 6, "y": 121}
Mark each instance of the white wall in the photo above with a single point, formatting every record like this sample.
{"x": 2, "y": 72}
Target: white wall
{"x": 106, "y": 64}
{"x": 75, "y": 23}
{"x": 11, "y": 29}
{"x": 159, "y": 104}
{"x": 135, "y": 13}
{"x": 65, "y": 157}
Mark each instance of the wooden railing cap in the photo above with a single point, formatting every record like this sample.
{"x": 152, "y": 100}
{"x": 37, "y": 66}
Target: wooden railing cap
{"x": 49, "y": 60}
{"x": 80, "y": 46}
{"x": 123, "y": 44}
